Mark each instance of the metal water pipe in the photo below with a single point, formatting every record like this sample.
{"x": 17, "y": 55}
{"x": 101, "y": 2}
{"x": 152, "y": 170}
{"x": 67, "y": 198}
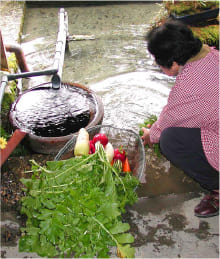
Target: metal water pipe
{"x": 19, "y": 54}
{"x": 60, "y": 48}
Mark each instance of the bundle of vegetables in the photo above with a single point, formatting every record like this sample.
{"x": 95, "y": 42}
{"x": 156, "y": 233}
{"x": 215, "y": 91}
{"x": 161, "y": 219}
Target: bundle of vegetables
{"x": 74, "y": 207}
{"x": 117, "y": 157}
{"x": 147, "y": 124}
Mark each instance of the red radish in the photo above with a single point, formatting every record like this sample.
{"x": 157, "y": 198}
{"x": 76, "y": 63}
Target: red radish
{"x": 119, "y": 158}
{"x": 91, "y": 147}
{"x": 100, "y": 137}
{"x": 119, "y": 154}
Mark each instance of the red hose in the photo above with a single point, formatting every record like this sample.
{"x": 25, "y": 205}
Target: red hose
{"x": 15, "y": 139}
{"x": 18, "y": 135}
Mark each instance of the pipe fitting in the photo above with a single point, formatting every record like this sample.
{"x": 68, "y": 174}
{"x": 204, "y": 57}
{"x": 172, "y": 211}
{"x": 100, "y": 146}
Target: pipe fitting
{"x": 19, "y": 56}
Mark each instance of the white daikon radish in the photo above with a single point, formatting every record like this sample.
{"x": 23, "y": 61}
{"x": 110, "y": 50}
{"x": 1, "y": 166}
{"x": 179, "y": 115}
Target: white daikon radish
{"x": 82, "y": 143}
{"x": 109, "y": 151}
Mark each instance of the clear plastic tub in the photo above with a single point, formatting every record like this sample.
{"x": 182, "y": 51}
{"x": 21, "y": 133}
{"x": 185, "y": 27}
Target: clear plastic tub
{"x": 128, "y": 139}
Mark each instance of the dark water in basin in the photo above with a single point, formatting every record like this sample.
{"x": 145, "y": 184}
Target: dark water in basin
{"x": 48, "y": 112}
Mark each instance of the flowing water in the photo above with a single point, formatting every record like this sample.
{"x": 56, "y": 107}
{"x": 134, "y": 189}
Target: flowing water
{"x": 111, "y": 58}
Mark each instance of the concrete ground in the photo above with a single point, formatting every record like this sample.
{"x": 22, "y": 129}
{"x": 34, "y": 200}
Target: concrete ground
{"x": 162, "y": 220}
{"x": 167, "y": 228}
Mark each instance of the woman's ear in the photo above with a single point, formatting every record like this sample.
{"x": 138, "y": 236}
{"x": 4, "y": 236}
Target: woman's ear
{"x": 175, "y": 68}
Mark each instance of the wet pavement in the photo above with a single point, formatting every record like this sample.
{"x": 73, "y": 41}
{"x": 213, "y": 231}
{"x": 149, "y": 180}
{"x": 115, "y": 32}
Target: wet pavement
{"x": 162, "y": 221}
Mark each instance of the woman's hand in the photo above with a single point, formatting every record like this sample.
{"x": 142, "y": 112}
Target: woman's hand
{"x": 146, "y": 137}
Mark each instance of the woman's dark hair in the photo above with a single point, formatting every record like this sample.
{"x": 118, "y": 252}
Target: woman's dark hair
{"x": 172, "y": 41}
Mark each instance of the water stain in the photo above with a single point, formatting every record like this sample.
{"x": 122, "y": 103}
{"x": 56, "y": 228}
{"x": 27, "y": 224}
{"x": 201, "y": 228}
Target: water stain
{"x": 202, "y": 232}
{"x": 164, "y": 178}
{"x": 160, "y": 235}
{"x": 177, "y": 222}
{"x": 158, "y": 204}
{"x": 10, "y": 235}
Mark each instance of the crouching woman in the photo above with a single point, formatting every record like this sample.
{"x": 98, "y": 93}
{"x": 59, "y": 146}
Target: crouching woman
{"x": 187, "y": 129}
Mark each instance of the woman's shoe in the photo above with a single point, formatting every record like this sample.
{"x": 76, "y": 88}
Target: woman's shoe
{"x": 208, "y": 206}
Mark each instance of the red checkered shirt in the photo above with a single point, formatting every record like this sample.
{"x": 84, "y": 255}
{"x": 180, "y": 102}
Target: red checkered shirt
{"x": 193, "y": 102}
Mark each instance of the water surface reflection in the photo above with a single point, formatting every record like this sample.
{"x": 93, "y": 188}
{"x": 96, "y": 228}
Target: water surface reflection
{"x": 130, "y": 98}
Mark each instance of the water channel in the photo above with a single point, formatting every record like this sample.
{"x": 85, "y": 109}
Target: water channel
{"x": 112, "y": 59}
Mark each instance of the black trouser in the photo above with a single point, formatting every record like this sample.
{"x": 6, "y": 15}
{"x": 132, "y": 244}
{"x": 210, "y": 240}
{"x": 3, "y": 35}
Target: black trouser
{"x": 183, "y": 148}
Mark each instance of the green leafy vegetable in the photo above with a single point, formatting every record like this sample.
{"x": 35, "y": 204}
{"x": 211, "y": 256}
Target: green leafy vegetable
{"x": 74, "y": 208}
{"x": 147, "y": 124}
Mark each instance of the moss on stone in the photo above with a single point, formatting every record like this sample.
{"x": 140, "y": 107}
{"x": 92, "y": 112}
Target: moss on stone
{"x": 7, "y": 101}
{"x": 208, "y": 34}
{"x": 10, "y": 93}
{"x": 12, "y": 63}
{"x": 5, "y": 108}
{"x": 4, "y": 134}
{"x": 189, "y": 7}
{"x": 8, "y": 98}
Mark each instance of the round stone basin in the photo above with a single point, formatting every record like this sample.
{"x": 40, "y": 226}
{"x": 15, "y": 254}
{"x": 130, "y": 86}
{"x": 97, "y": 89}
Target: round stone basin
{"x": 51, "y": 117}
